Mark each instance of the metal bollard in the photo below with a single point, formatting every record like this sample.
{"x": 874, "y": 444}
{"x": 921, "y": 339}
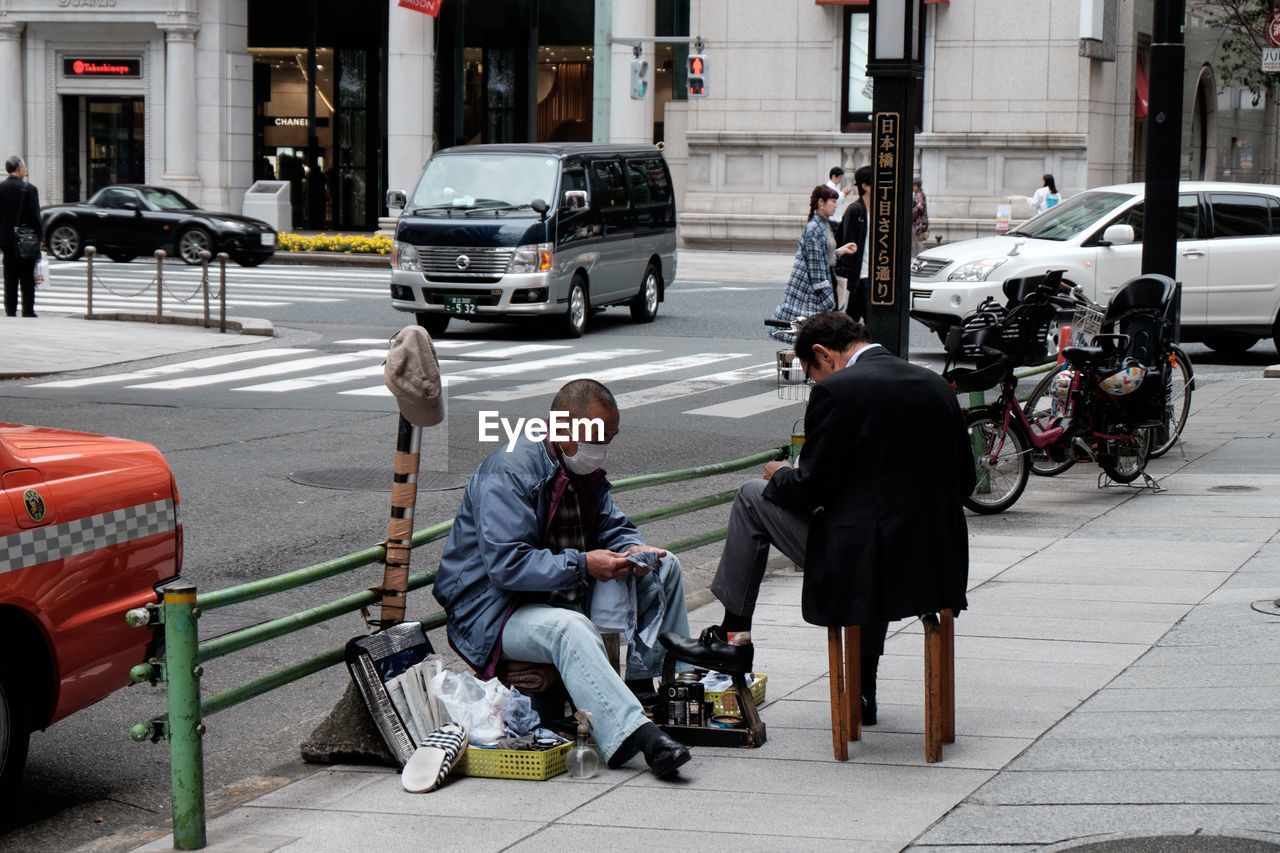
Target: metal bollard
{"x": 159, "y": 284}
{"x": 89, "y": 252}
{"x": 205, "y": 255}
{"x": 186, "y": 732}
{"x": 222, "y": 291}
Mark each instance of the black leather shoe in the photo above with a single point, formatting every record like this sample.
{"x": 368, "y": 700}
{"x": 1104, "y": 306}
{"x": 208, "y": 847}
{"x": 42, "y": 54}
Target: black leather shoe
{"x": 868, "y": 711}
{"x": 711, "y": 651}
{"x": 665, "y": 755}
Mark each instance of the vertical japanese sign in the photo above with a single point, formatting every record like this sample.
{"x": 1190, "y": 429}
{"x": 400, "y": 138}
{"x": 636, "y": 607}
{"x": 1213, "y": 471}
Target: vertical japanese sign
{"x": 426, "y": 7}
{"x": 886, "y": 215}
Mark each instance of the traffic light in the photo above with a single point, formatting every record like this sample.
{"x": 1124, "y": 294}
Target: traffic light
{"x": 638, "y": 84}
{"x": 697, "y": 76}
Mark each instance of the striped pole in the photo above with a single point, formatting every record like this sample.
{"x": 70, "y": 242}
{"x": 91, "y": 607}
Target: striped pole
{"x": 404, "y": 494}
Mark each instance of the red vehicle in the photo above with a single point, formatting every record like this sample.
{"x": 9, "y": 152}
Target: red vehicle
{"x": 89, "y": 528}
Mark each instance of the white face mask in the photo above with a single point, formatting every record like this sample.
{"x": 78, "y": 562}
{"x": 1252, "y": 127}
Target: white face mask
{"x": 590, "y": 457}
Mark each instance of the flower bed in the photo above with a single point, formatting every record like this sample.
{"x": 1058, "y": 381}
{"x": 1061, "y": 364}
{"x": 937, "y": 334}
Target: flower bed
{"x": 345, "y": 244}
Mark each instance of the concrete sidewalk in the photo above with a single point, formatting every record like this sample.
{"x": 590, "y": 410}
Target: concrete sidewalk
{"x": 1117, "y": 686}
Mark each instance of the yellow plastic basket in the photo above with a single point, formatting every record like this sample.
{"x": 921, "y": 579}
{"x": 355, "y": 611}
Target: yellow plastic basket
{"x": 514, "y": 763}
{"x": 729, "y": 705}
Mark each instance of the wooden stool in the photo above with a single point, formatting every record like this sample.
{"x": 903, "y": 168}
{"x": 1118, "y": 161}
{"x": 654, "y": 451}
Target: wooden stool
{"x": 541, "y": 682}
{"x": 844, "y": 654}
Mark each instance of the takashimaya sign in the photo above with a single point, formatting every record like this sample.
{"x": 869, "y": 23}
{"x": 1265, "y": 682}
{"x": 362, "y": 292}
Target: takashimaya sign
{"x": 114, "y": 67}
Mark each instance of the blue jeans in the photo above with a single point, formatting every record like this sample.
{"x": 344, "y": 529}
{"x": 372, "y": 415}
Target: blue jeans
{"x": 562, "y": 635}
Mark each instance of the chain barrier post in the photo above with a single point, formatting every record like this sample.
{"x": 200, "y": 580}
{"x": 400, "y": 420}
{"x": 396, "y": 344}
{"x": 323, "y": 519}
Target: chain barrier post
{"x": 205, "y": 255}
{"x": 186, "y": 732}
{"x": 159, "y": 284}
{"x": 222, "y": 291}
{"x": 89, "y": 252}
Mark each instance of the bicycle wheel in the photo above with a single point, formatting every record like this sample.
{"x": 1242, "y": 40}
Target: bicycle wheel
{"x": 1039, "y": 409}
{"x": 1177, "y": 403}
{"x": 1000, "y": 460}
{"x": 1123, "y": 459}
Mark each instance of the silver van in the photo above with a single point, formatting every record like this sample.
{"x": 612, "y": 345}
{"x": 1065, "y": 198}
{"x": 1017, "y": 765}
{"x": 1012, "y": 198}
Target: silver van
{"x": 550, "y": 231}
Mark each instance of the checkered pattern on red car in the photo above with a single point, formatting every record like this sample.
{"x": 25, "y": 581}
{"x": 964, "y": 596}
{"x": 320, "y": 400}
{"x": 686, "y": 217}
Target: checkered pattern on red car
{"x": 59, "y": 541}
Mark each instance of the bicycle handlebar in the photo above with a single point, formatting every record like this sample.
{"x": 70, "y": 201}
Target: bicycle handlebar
{"x": 779, "y": 324}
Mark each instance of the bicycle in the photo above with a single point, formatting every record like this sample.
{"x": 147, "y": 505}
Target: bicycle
{"x": 1045, "y": 402}
{"x": 1103, "y": 418}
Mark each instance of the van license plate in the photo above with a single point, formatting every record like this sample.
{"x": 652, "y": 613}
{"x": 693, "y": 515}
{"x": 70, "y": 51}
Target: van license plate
{"x": 268, "y": 239}
{"x": 459, "y": 305}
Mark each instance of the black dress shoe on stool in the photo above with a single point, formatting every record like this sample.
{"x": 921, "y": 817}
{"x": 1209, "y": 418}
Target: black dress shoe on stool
{"x": 664, "y": 755}
{"x": 711, "y": 650}
{"x": 868, "y": 711}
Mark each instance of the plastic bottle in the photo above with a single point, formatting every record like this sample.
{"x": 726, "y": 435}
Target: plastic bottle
{"x": 583, "y": 759}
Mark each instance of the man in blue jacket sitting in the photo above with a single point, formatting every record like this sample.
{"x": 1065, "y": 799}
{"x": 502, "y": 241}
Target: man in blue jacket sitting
{"x": 536, "y": 532}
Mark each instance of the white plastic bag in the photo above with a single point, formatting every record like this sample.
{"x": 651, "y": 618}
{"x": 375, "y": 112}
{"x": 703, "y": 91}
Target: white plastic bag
{"x": 42, "y": 270}
{"x": 475, "y": 705}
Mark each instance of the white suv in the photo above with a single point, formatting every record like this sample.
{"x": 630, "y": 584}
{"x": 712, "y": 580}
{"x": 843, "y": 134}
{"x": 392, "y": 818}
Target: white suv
{"x": 1228, "y": 259}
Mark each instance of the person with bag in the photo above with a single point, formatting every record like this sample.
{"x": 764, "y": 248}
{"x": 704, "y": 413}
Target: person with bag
{"x": 535, "y": 539}
{"x": 812, "y": 285}
{"x": 20, "y": 237}
{"x": 1045, "y": 197}
{"x": 854, "y": 231}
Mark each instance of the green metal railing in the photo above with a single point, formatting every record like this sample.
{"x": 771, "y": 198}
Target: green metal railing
{"x": 182, "y": 665}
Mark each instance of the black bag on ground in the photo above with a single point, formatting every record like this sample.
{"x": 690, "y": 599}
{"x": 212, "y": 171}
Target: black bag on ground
{"x": 374, "y": 659}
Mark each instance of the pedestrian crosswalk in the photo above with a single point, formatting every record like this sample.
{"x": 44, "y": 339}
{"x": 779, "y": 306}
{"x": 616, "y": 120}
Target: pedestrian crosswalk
{"x": 732, "y": 383}
{"x": 130, "y": 287}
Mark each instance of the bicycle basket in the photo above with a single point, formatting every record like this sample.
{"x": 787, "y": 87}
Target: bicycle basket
{"x": 1086, "y": 323}
{"x": 791, "y": 382}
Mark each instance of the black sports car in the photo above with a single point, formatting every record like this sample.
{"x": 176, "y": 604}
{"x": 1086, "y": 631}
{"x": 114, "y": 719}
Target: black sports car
{"x": 123, "y": 221}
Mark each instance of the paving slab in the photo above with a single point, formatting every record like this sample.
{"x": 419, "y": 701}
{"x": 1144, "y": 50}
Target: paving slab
{"x": 1056, "y": 824}
{"x": 1126, "y": 786}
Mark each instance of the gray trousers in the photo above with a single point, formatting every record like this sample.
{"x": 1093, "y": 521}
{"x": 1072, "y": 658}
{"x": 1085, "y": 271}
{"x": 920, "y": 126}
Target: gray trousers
{"x": 754, "y": 525}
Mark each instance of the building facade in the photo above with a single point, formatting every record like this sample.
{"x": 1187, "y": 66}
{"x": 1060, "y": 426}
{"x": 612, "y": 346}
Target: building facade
{"x": 344, "y": 101}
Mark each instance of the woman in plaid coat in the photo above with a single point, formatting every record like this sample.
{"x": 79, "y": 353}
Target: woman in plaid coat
{"x": 811, "y": 287}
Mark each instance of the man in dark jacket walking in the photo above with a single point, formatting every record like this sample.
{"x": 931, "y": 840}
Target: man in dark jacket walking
{"x": 853, "y": 229}
{"x": 19, "y": 205}
{"x": 873, "y": 511}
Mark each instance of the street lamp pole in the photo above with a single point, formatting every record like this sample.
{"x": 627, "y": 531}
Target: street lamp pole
{"x": 1164, "y": 138}
{"x": 895, "y": 63}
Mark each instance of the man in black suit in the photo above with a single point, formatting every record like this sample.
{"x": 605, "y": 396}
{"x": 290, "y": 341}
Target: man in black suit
{"x": 19, "y": 205}
{"x": 853, "y": 229}
{"x": 873, "y": 511}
